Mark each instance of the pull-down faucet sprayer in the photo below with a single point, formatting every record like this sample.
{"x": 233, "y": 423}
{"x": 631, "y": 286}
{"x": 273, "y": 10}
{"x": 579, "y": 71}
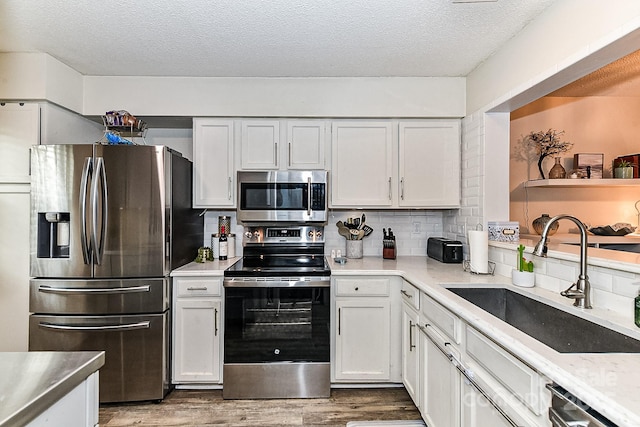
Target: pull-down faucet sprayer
{"x": 582, "y": 292}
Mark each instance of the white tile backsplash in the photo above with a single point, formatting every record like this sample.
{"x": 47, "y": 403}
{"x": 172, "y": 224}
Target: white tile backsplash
{"x": 412, "y": 228}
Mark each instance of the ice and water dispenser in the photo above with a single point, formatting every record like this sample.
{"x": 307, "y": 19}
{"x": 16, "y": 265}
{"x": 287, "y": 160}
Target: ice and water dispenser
{"x": 53, "y": 234}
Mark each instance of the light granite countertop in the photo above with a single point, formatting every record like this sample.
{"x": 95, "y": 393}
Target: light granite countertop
{"x": 31, "y": 382}
{"x": 607, "y": 382}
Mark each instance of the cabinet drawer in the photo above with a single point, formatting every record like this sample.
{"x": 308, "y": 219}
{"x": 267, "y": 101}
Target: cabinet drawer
{"x": 200, "y": 286}
{"x": 517, "y": 377}
{"x": 361, "y": 286}
{"x": 410, "y": 294}
{"x": 447, "y": 322}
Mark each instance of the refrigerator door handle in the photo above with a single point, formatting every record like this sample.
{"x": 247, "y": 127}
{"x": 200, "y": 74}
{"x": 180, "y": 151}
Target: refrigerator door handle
{"x": 90, "y": 291}
{"x": 84, "y": 181}
{"x": 126, "y": 327}
{"x": 101, "y": 178}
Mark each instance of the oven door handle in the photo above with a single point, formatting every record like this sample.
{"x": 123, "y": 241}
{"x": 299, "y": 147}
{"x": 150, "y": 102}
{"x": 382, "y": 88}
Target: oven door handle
{"x": 88, "y": 291}
{"x": 127, "y": 327}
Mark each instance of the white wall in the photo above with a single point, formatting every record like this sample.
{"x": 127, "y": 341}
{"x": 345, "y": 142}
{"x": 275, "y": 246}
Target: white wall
{"x": 39, "y": 77}
{"x": 277, "y": 97}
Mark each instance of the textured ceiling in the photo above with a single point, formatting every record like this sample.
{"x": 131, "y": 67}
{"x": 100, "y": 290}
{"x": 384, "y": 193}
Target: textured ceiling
{"x": 276, "y": 38}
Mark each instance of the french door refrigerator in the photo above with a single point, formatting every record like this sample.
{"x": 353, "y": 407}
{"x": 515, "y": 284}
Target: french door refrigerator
{"x": 108, "y": 224}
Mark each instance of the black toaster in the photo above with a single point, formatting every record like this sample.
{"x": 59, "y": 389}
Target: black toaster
{"x": 444, "y": 250}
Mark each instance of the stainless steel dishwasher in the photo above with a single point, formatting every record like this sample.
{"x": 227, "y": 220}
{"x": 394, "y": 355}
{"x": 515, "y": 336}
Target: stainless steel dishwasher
{"x": 568, "y": 411}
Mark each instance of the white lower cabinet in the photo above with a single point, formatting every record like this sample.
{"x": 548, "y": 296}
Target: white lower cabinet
{"x": 410, "y": 338}
{"x": 477, "y": 411}
{"x": 197, "y": 331}
{"x": 363, "y": 345}
{"x": 439, "y": 381}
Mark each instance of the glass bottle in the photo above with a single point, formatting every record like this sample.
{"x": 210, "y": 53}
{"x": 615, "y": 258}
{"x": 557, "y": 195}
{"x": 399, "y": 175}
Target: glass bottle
{"x": 557, "y": 171}
{"x": 224, "y": 244}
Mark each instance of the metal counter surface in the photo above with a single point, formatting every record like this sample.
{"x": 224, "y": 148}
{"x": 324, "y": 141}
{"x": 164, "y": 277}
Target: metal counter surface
{"x": 31, "y": 382}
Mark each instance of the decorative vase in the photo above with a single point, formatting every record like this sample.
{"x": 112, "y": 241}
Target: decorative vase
{"x": 625, "y": 173}
{"x": 557, "y": 171}
{"x": 540, "y": 222}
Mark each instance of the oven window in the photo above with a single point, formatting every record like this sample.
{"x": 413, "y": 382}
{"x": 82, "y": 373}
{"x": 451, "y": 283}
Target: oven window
{"x": 281, "y": 196}
{"x": 276, "y": 325}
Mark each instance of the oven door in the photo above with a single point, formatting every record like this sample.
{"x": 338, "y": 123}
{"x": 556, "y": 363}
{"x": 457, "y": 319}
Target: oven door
{"x": 276, "y": 324}
{"x": 282, "y": 196}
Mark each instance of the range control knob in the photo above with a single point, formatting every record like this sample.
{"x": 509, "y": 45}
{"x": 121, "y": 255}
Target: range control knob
{"x": 315, "y": 234}
{"x": 248, "y": 234}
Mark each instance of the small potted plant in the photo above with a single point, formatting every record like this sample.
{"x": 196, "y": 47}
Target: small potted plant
{"x": 623, "y": 169}
{"x": 523, "y": 274}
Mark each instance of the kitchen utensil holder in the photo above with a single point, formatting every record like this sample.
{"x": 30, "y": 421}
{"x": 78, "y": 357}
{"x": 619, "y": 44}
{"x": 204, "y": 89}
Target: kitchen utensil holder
{"x": 466, "y": 266}
{"x": 354, "y": 249}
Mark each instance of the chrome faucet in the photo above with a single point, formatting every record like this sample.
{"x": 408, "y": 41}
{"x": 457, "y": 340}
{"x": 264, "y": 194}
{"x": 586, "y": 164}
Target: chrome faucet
{"x": 582, "y": 292}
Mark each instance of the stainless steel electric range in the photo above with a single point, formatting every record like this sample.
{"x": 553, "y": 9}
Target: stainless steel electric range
{"x": 277, "y": 310}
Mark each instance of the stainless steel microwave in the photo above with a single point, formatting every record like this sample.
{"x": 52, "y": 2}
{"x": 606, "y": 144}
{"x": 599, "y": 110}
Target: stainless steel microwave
{"x": 282, "y": 196}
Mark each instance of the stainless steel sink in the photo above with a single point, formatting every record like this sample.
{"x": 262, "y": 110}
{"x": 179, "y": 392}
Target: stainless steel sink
{"x": 557, "y": 329}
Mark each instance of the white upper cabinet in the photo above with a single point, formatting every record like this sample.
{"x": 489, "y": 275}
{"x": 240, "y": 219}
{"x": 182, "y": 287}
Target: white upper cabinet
{"x": 305, "y": 144}
{"x": 429, "y": 164}
{"x": 213, "y": 166}
{"x": 361, "y": 163}
{"x": 282, "y": 144}
{"x": 391, "y": 164}
{"x": 260, "y": 144}
{"x": 19, "y": 130}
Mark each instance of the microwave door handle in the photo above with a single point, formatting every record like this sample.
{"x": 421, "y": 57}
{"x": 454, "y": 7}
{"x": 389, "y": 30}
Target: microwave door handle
{"x": 309, "y": 196}
{"x": 84, "y": 180}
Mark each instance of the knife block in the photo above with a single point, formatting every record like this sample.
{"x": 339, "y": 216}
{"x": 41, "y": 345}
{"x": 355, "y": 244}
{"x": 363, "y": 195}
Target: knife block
{"x": 389, "y": 249}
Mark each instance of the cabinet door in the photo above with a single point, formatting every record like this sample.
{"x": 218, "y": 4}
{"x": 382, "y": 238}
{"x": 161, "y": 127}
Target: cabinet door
{"x": 19, "y": 130}
{"x": 440, "y": 382}
{"x": 196, "y": 356}
{"x": 362, "y": 339}
{"x": 213, "y": 170}
{"x": 305, "y": 144}
{"x": 260, "y": 142}
{"x": 477, "y": 411}
{"x": 429, "y": 164}
{"x": 410, "y": 353}
{"x": 361, "y": 164}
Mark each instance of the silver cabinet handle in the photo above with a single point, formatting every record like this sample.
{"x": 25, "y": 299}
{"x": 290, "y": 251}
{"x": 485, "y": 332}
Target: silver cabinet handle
{"x": 197, "y": 288}
{"x": 89, "y": 291}
{"x": 402, "y": 188}
{"x": 289, "y": 154}
{"x": 389, "y": 188}
{"x": 275, "y": 153}
{"x": 469, "y": 377}
{"x": 339, "y": 321}
{"x": 229, "y": 188}
{"x": 127, "y": 327}
{"x": 406, "y": 294}
{"x": 411, "y": 344}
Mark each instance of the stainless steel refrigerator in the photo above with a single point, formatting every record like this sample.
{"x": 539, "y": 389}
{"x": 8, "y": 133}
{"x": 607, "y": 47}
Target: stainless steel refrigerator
{"x": 108, "y": 224}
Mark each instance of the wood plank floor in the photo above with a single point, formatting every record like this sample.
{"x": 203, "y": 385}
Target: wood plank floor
{"x": 206, "y": 407}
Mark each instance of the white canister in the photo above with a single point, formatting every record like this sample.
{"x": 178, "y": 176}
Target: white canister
{"x": 231, "y": 240}
{"x": 215, "y": 245}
